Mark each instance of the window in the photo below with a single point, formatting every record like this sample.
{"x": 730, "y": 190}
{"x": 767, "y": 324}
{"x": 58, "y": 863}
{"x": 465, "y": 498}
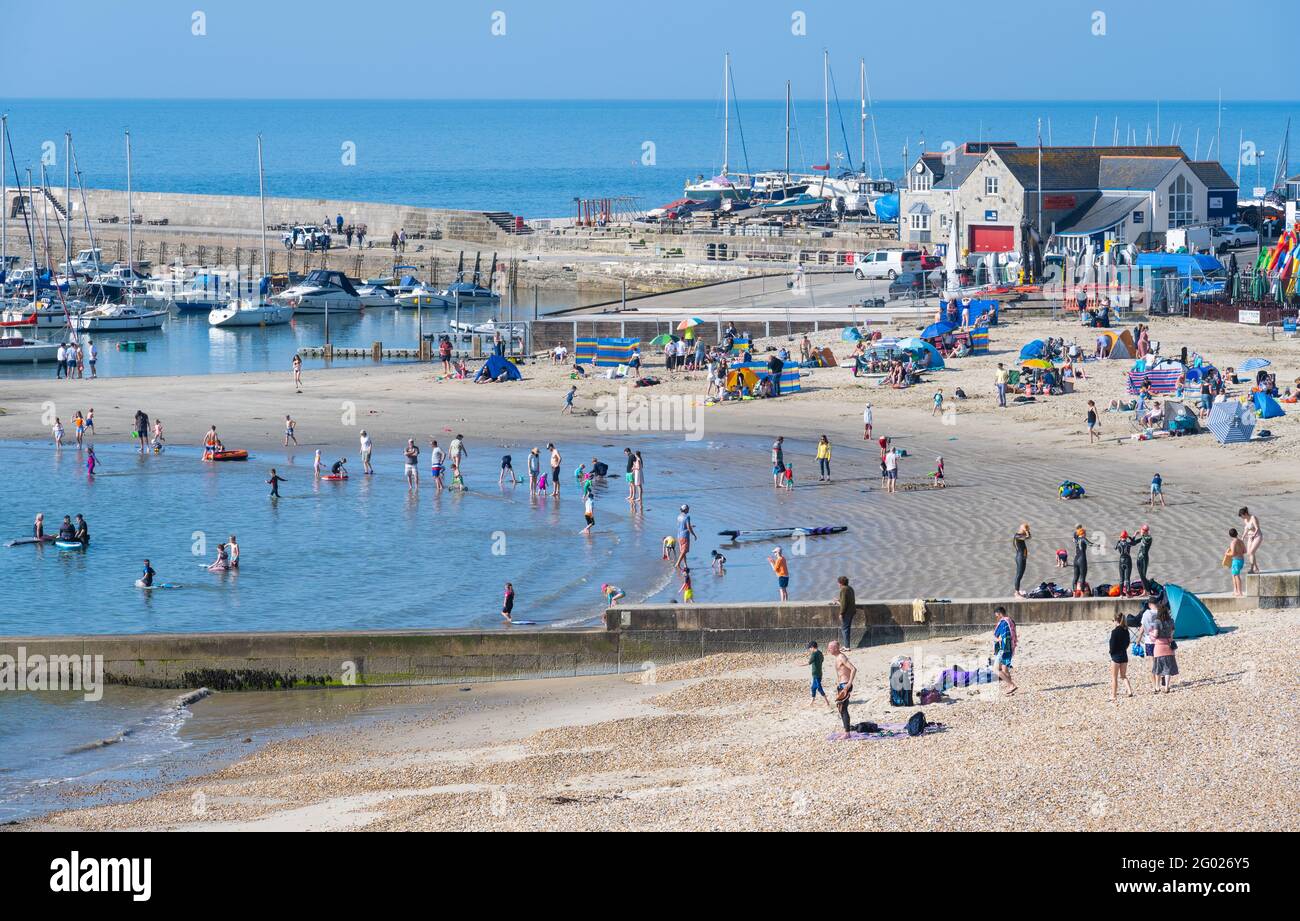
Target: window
{"x": 1138, "y": 217}
{"x": 920, "y": 222}
{"x": 990, "y": 185}
{"x": 922, "y": 181}
{"x": 1180, "y": 202}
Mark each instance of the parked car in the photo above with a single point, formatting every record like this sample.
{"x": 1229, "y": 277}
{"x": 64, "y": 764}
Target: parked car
{"x": 886, "y": 263}
{"x": 1234, "y": 235}
{"x": 913, "y": 284}
{"x": 929, "y": 262}
{"x": 306, "y": 236}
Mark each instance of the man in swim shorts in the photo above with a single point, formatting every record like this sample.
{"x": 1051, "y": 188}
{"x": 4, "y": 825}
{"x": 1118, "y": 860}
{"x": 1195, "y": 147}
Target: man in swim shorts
{"x": 412, "y": 457}
{"x": 436, "y": 460}
{"x": 556, "y": 461}
{"x": 845, "y": 673}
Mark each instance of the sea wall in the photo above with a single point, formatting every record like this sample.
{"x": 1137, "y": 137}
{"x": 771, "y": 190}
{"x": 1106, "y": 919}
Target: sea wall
{"x": 633, "y": 638}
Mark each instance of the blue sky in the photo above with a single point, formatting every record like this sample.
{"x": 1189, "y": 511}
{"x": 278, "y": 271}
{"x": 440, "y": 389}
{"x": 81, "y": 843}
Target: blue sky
{"x": 646, "y": 49}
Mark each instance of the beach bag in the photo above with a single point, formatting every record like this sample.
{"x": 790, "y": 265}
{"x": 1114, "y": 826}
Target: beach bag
{"x": 1115, "y": 591}
{"x": 1102, "y": 591}
{"x": 916, "y": 725}
{"x": 866, "y": 727}
{"x": 1133, "y": 620}
{"x": 1137, "y": 650}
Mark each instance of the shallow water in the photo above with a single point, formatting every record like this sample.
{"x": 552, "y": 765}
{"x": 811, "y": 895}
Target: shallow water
{"x": 187, "y": 344}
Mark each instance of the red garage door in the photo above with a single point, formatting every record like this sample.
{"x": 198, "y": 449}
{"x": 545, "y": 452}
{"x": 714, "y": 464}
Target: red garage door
{"x": 986, "y": 238}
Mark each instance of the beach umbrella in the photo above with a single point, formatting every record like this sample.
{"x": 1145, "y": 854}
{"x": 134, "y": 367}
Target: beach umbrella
{"x": 661, "y": 339}
{"x": 1254, "y": 364}
{"x": 690, "y": 322}
{"x": 938, "y": 330}
{"x": 1041, "y": 363}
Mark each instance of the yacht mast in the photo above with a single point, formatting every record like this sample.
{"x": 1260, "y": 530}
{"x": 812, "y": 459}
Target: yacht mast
{"x": 826, "y": 111}
{"x": 4, "y": 196}
{"x": 726, "y": 110}
{"x": 130, "y": 223}
{"x": 862, "y": 114}
{"x": 787, "y": 132}
{"x": 261, "y": 198}
{"x": 67, "y": 196}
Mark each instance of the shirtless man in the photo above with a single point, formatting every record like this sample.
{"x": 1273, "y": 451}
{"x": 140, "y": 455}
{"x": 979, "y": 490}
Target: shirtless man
{"x": 845, "y": 672}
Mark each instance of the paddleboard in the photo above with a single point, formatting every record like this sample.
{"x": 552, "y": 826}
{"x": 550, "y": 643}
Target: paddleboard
{"x": 22, "y": 541}
{"x": 767, "y": 533}
{"x": 523, "y": 623}
{"x": 330, "y": 476}
{"x": 140, "y": 584}
{"x": 69, "y": 545}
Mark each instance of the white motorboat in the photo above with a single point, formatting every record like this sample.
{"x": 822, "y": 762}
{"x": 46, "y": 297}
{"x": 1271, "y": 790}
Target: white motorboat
{"x": 490, "y": 328}
{"x": 88, "y": 262}
{"x": 205, "y": 291}
{"x": 20, "y": 350}
{"x": 249, "y": 313}
{"x": 375, "y": 295}
{"x": 321, "y": 290}
{"x": 109, "y": 318}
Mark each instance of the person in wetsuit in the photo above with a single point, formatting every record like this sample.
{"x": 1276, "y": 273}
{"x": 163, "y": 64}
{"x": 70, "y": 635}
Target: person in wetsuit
{"x": 337, "y": 468}
{"x": 1020, "y": 541}
{"x": 146, "y": 577}
{"x": 1143, "y": 542}
{"x": 82, "y": 533}
{"x": 66, "y": 531}
{"x": 1081, "y": 545}
{"x": 1124, "y": 547}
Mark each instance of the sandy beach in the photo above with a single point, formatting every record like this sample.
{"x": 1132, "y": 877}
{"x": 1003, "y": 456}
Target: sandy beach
{"x": 730, "y": 742}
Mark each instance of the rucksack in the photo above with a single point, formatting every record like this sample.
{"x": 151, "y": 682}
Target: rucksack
{"x": 866, "y": 727}
{"x": 916, "y": 725}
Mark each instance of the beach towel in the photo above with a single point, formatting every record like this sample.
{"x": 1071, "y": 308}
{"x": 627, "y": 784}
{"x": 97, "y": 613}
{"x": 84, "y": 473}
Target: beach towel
{"x": 888, "y": 731}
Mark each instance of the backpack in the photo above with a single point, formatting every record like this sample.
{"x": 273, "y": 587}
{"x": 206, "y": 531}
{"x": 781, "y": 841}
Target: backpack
{"x": 916, "y": 725}
{"x": 866, "y": 727}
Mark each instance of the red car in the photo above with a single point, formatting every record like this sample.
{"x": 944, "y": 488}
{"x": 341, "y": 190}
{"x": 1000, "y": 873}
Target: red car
{"x": 931, "y": 262}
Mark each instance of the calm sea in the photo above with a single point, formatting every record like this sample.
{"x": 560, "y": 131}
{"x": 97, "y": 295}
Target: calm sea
{"x": 534, "y": 157}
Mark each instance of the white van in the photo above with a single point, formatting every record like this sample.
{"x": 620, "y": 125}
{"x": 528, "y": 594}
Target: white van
{"x": 886, "y": 263}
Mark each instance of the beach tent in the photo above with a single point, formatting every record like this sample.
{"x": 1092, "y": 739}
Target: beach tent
{"x": 1119, "y": 344}
{"x": 744, "y": 378}
{"x": 1180, "y": 418}
{"x": 850, "y": 334}
{"x": 789, "y": 374}
{"x": 1194, "y": 375}
{"x": 1191, "y": 617}
{"x": 1266, "y": 407}
{"x": 1231, "y": 422}
{"x": 1033, "y": 349}
{"x": 914, "y": 345}
{"x": 493, "y": 367}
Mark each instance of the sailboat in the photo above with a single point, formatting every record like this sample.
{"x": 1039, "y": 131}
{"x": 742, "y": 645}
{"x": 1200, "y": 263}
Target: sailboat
{"x": 856, "y": 188}
{"x": 15, "y": 347}
{"x": 253, "y": 313}
{"x": 723, "y": 186}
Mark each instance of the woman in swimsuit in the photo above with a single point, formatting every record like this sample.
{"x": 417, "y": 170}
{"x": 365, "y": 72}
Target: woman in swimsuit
{"x": 222, "y": 562}
{"x": 1253, "y": 537}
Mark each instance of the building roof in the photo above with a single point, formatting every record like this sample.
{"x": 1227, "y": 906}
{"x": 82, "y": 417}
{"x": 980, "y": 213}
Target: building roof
{"x": 1212, "y": 173}
{"x": 949, "y": 175}
{"x": 1070, "y": 168}
{"x": 1136, "y": 173}
{"x": 1104, "y": 213}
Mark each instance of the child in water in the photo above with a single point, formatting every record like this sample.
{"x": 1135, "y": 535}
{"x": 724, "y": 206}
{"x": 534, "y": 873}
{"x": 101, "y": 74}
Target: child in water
{"x": 91, "y": 462}
{"x": 719, "y": 563}
{"x": 787, "y": 478}
{"x": 612, "y": 594}
{"x": 316, "y": 465}
{"x": 938, "y": 474}
{"x": 274, "y": 482}
{"x": 688, "y": 592}
{"x": 670, "y": 548}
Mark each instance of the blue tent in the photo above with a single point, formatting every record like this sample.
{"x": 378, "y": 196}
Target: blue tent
{"x": 495, "y": 365}
{"x": 914, "y": 345}
{"x": 1191, "y": 617}
{"x": 1033, "y": 349}
{"x": 1267, "y": 407}
{"x": 850, "y": 334}
{"x": 1194, "y": 375}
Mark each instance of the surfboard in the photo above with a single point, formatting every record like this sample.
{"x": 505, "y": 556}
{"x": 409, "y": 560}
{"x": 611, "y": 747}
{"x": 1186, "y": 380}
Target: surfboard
{"x": 23, "y": 541}
{"x": 69, "y": 545}
{"x": 767, "y": 533}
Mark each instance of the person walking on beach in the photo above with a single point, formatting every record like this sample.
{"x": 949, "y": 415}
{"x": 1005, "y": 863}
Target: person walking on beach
{"x": 1119, "y": 642}
{"x": 848, "y": 604}
{"x": 367, "y": 446}
{"x": 57, "y": 431}
{"x": 1004, "y": 647}
{"x": 824, "y": 460}
{"x": 778, "y": 461}
{"x": 61, "y": 362}
{"x": 142, "y": 430}
{"x": 508, "y": 603}
{"x": 845, "y": 673}
{"x": 1235, "y": 558}
{"x": 588, "y": 511}
{"x": 1252, "y": 535}
{"x": 1001, "y": 378}
{"x": 1143, "y": 544}
{"x": 938, "y": 403}
{"x": 289, "y": 426}
{"x": 274, "y": 482}
{"x": 297, "y": 371}
{"x": 815, "y": 663}
{"x": 412, "y": 457}
{"x": 444, "y": 353}
{"x": 866, "y": 422}
{"x": 1094, "y": 425}
{"x": 393, "y": 242}
{"x": 534, "y": 470}
{"x": 1081, "y": 545}
{"x": 567, "y": 409}
{"x": 891, "y": 470}
{"x": 1164, "y": 665}
{"x": 556, "y": 462}
{"x": 685, "y": 533}
{"x": 1158, "y": 491}
{"x": 686, "y": 589}
{"x": 781, "y": 568}
{"x": 1020, "y": 542}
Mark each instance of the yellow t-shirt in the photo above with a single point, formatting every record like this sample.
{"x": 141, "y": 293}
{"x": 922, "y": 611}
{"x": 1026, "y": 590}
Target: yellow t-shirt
{"x": 823, "y": 450}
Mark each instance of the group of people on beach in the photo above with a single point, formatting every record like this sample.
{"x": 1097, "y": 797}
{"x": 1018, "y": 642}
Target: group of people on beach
{"x": 74, "y": 359}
